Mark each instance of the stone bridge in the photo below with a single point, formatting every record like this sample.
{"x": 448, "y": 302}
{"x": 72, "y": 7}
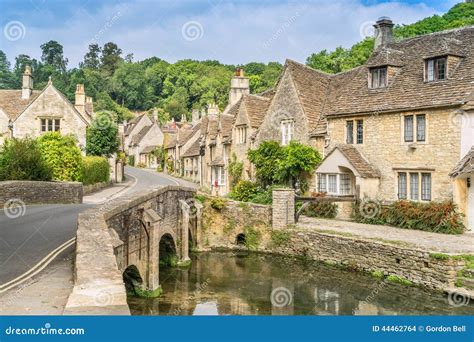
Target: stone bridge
{"x": 128, "y": 236}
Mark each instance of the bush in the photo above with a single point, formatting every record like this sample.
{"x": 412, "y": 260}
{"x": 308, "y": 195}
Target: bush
{"x": 131, "y": 160}
{"x": 438, "y": 217}
{"x": 217, "y": 203}
{"x": 62, "y": 155}
{"x": 141, "y": 165}
{"x": 96, "y": 170}
{"x": 21, "y": 159}
{"x": 244, "y": 191}
{"x": 321, "y": 209}
{"x": 102, "y": 136}
{"x": 235, "y": 170}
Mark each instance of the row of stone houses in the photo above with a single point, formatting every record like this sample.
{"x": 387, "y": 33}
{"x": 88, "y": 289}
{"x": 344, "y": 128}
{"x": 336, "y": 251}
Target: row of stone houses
{"x": 399, "y": 127}
{"x": 27, "y": 112}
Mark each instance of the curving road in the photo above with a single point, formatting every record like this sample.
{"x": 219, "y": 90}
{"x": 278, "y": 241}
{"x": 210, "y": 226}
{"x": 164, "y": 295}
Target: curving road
{"x": 27, "y": 239}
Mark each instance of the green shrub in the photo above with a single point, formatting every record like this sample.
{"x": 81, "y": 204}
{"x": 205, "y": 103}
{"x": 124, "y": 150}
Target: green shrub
{"x": 131, "y": 160}
{"x": 21, "y": 159}
{"x": 235, "y": 170}
{"x": 62, "y": 155}
{"x": 141, "y": 165}
{"x": 280, "y": 238}
{"x": 438, "y": 217}
{"x": 217, "y": 203}
{"x": 321, "y": 209}
{"x": 96, "y": 170}
{"x": 244, "y": 191}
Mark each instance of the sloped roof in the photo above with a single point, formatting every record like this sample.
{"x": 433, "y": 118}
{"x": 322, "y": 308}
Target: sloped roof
{"x": 465, "y": 165}
{"x": 256, "y": 108}
{"x": 132, "y": 124}
{"x": 217, "y": 162}
{"x": 212, "y": 128}
{"x": 12, "y": 103}
{"x": 226, "y": 122}
{"x": 349, "y": 92}
{"x": 149, "y": 149}
{"x": 139, "y": 136}
{"x": 357, "y": 160}
{"x": 172, "y": 142}
{"x": 311, "y": 86}
{"x": 188, "y": 133}
{"x": 193, "y": 150}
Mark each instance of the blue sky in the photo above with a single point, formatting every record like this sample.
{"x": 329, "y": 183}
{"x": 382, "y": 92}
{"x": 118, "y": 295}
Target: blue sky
{"x": 233, "y": 32}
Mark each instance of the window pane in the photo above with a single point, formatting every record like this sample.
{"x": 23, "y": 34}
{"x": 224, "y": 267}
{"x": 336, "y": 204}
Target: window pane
{"x": 43, "y": 125}
{"x": 402, "y": 185}
{"x": 345, "y": 184}
{"x": 375, "y": 78}
{"x": 430, "y": 70}
{"x": 420, "y": 127}
{"x": 441, "y": 69}
{"x": 426, "y": 187}
{"x": 322, "y": 182}
{"x": 50, "y": 125}
{"x": 409, "y": 128}
{"x": 383, "y": 78}
{"x": 56, "y": 125}
{"x": 414, "y": 185}
{"x": 350, "y": 132}
{"x": 360, "y": 131}
{"x": 332, "y": 184}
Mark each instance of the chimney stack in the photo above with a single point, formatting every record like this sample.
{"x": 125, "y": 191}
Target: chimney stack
{"x": 27, "y": 84}
{"x": 212, "y": 110}
{"x": 80, "y": 101}
{"x": 155, "y": 115}
{"x": 239, "y": 86}
{"x": 195, "y": 117}
{"x": 383, "y": 32}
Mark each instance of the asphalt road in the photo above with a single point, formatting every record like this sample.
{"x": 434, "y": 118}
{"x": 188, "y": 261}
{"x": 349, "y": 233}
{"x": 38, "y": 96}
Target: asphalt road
{"x": 27, "y": 239}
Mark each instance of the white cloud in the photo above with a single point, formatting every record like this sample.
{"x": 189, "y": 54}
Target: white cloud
{"x": 232, "y": 32}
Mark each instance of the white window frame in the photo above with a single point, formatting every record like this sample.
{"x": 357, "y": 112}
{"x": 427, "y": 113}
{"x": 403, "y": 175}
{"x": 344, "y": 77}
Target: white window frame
{"x": 241, "y": 134}
{"x": 323, "y": 178}
{"x": 218, "y": 174}
{"x": 287, "y": 127}
{"x": 420, "y": 186}
{"x": 47, "y": 124}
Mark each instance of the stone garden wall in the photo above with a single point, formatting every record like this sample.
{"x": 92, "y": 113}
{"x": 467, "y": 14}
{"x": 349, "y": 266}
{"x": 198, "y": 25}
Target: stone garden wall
{"x": 31, "y": 192}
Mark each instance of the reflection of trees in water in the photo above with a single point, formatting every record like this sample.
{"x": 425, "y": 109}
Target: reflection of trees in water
{"x": 243, "y": 283}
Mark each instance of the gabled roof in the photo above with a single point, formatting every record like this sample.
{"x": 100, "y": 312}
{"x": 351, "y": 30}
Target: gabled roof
{"x": 349, "y": 92}
{"x": 148, "y": 149}
{"x": 12, "y": 103}
{"x": 225, "y": 123}
{"x": 357, "y": 160}
{"x": 140, "y": 135}
{"x": 311, "y": 86}
{"x": 193, "y": 150}
{"x": 465, "y": 165}
{"x": 131, "y": 125}
{"x": 172, "y": 142}
{"x": 212, "y": 128}
{"x": 256, "y": 108}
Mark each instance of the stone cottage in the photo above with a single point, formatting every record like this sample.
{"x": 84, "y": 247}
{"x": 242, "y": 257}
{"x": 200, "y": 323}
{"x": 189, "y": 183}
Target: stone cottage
{"x": 29, "y": 112}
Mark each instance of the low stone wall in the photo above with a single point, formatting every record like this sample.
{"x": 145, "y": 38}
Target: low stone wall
{"x": 89, "y": 189}
{"x": 415, "y": 265}
{"x": 32, "y": 192}
{"x": 101, "y": 255}
{"x": 220, "y": 227}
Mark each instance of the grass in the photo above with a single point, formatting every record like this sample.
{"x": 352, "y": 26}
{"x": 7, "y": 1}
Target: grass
{"x": 148, "y": 293}
{"x": 399, "y": 280}
{"x": 377, "y": 274}
{"x": 252, "y": 238}
{"x": 280, "y": 238}
{"x": 439, "y": 256}
{"x": 200, "y": 198}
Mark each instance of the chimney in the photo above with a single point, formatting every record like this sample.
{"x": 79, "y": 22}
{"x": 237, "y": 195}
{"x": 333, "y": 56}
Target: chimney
{"x": 89, "y": 105}
{"x": 155, "y": 115}
{"x": 195, "y": 116}
{"x": 383, "y": 32}
{"x": 239, "y": 86}
{"x": 80, "y": 101}
{"x": 212, "y": 110}
{"x": 27, "y": 86}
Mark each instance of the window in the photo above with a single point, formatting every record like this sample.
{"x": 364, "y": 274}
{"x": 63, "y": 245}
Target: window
{"x": 378, "y": 77}
{"x": 50, "y": 125}
{"x": 241, "y": 134}
{"x": 436, "y": 69}
{"x": 426, "y": 187}
{"x": 332, "y": 184}
{"x": 402, "y": 186}
{"x": 414, "y": 186}
{"x": 350, "y": 132}
{"x": 218, "y": 175}
{"x": 286, "y": 131}
{"x": 360, "y": 131}
{"x": 409, "y": 128}
{"x": 335, "y": 184}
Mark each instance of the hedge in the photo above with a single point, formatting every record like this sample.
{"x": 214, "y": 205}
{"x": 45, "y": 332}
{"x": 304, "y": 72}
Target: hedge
{"x": 438, "y": 217}
{"x": 96, "y": 170}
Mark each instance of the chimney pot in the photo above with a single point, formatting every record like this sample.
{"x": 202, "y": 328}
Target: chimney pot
{"x": 383, "y": 32}
{"x": 80, "y": 99}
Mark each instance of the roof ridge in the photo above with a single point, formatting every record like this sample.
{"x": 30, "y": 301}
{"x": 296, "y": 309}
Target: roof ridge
{"x": 307, "y": 67}
{"x": 456, "y": 29}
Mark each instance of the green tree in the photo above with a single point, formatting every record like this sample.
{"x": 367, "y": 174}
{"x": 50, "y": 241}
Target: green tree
{"x": 21, "y": 159}
{"x": 21, "y": 61}
{"x": 92, "y": 57}
{"x": 102, "y": 135}
{"x": 266, "y": 159}
{"x": 6, "y": 76}
{"x": 110, "y": 58}
{"x": 62, "y": 155}
{"x": 52, "y": 55}
{"x": 130, "y": 88}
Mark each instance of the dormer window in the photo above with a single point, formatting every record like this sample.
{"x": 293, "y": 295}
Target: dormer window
{"x": 378, "y": 77}
{"x": 435, "y": 69}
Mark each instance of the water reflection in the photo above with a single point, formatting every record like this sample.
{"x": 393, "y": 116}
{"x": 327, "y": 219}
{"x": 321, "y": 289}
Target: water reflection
{"x": 256, "y": 284}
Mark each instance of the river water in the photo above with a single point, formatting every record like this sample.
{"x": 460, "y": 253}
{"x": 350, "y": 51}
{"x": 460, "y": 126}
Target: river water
{"x": 257, "y": 284}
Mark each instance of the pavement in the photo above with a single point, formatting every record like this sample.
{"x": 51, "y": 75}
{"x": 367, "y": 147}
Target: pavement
{"x": 26, "y": 241}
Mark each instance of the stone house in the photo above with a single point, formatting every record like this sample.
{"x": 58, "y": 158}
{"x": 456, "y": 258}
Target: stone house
{"x": 391, "y": 123}
{"x": 191, "y": 156}
{"x": 29, "y": 112}
{"x": 173, "y": 149}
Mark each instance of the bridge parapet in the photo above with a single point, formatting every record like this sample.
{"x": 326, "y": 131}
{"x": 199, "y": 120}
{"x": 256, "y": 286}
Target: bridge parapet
{"x": 122, "y": 233}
